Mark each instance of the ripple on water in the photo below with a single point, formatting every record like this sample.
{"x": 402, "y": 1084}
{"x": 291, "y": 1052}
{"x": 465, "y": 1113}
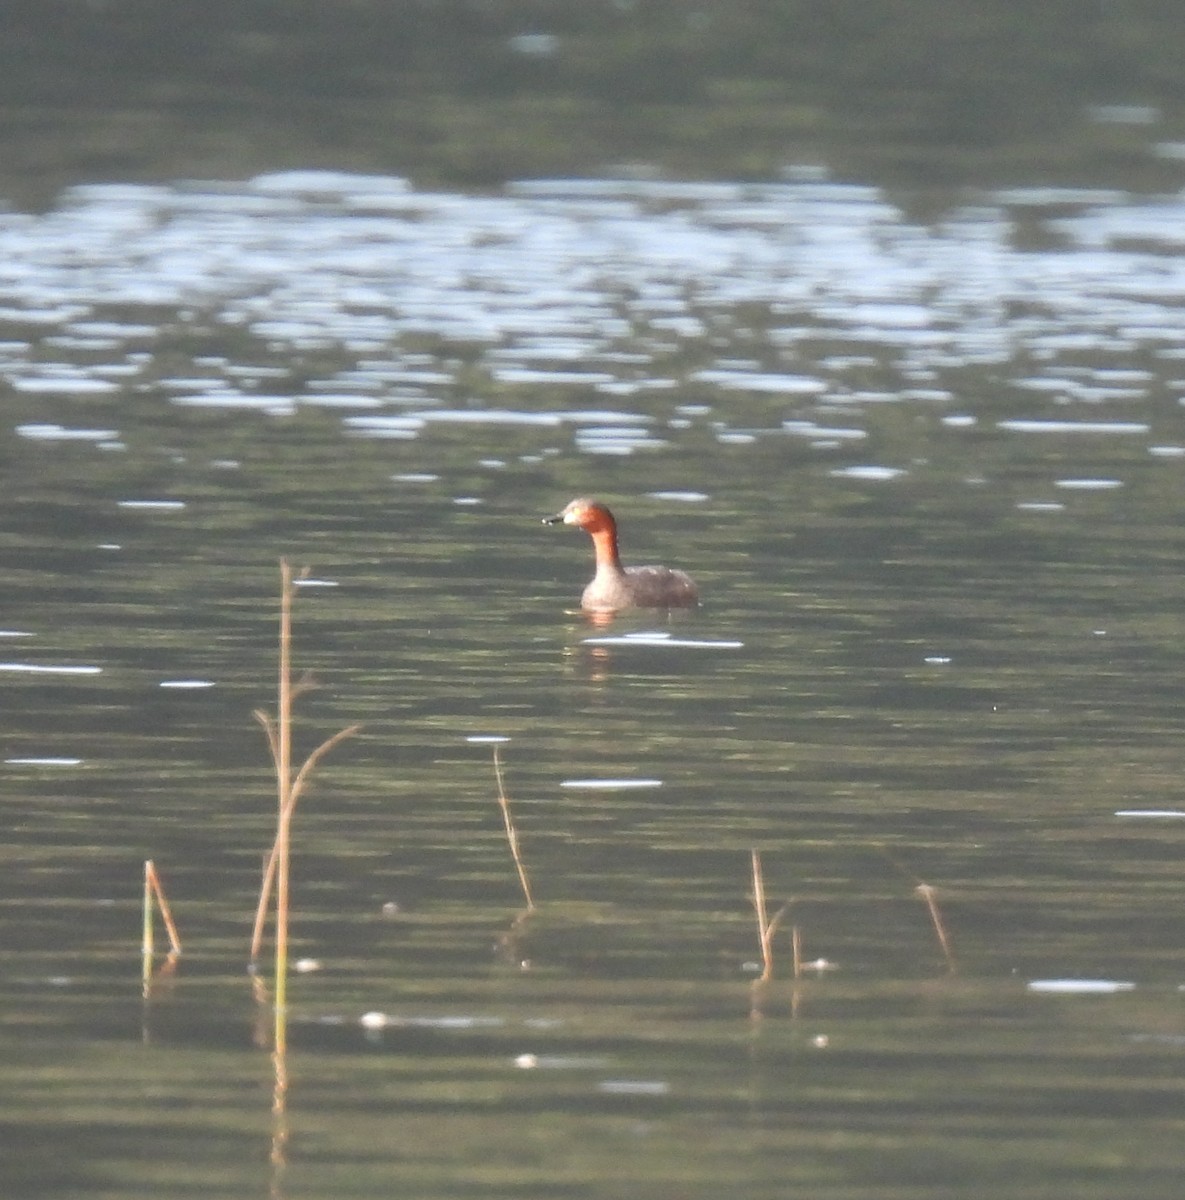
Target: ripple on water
{"x": 550, "y": 279}
{"x": 484, "y": 416}
{"x": 59, "y": 433}
{"x": 868, "y": 472}
{"x": 610, "y": 785}
{"x": 280, "y": 406}
{"x": 783, "y": 385}
{"x": 663, "y": 641}
{"x": 537, "y": 375}
{"x": 1035, "y": 425}
{"x": 43, "y": 669}
{"x": 1080, "y": 987}
{"x": 64, "y": 385}
{"x": 615, "y": 439}
{"x": 377, "y": 426}
{"x": 830, "y": 433}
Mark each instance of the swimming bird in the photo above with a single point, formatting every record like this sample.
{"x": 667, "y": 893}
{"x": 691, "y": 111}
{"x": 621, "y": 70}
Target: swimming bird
{"x": 613, "y": 586}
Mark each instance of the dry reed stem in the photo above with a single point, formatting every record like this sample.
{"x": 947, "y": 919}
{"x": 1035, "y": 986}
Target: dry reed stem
{"x": 928, "y": 894}
{"x": 154, "y": 894}
{"x": 509, "y": 944}
{"x": 262, "y": 1022}
{"x": 283, "y": 757}
{"x": 930, "y": 897}
{"x": 269, "y": 869}
{"x": 278, "y": 732}
{"x": 758, "y": 898}
{"x": 512, "y": 833}
{"x": 147, "y": 947}
{"x": 766, "y": 927}
{"x": 154, "y": 890}
{"x": 265, "y": 895}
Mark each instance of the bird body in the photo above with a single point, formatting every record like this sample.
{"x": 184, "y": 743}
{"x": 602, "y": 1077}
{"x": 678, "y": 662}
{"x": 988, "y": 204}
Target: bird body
{"x": 614, "y": 586}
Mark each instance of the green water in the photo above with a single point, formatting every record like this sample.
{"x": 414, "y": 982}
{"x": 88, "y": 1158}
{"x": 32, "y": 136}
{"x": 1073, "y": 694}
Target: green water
{"x": 935, "y": 647}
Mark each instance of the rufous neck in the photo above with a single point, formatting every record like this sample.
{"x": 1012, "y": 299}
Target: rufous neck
{"x": 604, "y": 538}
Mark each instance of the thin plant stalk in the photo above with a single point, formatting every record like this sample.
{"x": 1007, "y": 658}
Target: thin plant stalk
{"x": 265, "y": 894}
{"x": 930, "y": 898}
{"x": 760, "y": 911}
{"x": 766, "y": 927}
{"x": 928, "y": 894}
{"x": 154, "y": 898}
{"x": 284, "y": 791}
{"x": 154, "y": 890}
{"x": 147, "y": 948}
{"x": 276, "y": 876}
{"x": 278, "y": 1156}
{"x": 166, "y": 915}
{"x": 269, "y": 868}
{"x": 512, "y": 833}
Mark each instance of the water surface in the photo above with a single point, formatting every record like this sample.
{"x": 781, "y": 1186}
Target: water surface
{"x": 928, "y": 475}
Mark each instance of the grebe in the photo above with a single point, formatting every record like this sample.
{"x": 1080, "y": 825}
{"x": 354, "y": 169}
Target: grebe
{"x": 614, "y": 586}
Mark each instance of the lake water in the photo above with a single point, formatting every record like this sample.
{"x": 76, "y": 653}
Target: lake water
{"x": 929, "y": 476}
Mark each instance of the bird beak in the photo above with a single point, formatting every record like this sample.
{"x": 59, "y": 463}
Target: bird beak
{"x": 558, "y": 519}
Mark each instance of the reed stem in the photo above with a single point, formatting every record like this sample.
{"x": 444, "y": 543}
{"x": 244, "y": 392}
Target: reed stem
{"x": 512, "y": 833}
{"x": 154, "y": 895}
{"x": 284, "y": 813}
{"x": 930, "y": 897}
{"x": 152, "y": 884}
{"x": 766, "y": 926}
{"x": 147, "y": 948}
{"x": 277, "y": 869}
